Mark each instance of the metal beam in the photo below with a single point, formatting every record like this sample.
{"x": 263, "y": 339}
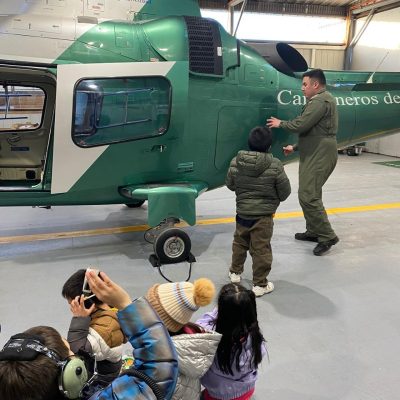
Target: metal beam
{"x": 240, "y": 16}
{"x": 350, "y": 29}
{"x": 279, "y": 7}
{"x": 362, "y": 30}
{"x": 231, "y": 11}
{"x": 376, "y": 5}
{"x": 348, "y": 56}
{"x": 234, "y": 3}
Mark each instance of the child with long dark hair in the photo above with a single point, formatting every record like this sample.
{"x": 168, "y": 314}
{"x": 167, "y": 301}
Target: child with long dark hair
{"x": 233, "y": 373}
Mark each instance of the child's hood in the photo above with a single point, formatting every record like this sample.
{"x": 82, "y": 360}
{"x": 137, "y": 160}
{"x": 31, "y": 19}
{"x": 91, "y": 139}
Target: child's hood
{"x": 253, "y": 163}
{"x": 106, "y": 324}
{"x": 106, "y": 317}
{"x": 196, "y": 352}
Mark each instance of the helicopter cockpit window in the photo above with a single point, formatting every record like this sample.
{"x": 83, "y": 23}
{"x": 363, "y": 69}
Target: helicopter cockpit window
{"x": 21, "y": 107}
{"x": 113, "y": 110}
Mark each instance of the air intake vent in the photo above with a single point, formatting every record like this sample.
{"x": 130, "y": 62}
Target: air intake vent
{"x": 205, "y": 51}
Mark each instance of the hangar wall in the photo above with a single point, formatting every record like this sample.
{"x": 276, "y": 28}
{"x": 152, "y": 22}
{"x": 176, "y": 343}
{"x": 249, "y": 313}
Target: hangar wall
{"x": 379, "y": 48}
{"x": 317, "y": 56}
{"x": 324, "y": 57}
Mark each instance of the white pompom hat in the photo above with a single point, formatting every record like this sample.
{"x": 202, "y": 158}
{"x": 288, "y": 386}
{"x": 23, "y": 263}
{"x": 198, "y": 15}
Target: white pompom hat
{"x": 176, "y": 302}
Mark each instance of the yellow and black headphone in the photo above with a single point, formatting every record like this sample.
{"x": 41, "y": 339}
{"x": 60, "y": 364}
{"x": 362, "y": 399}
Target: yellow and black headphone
{"x": 73, "y": 373}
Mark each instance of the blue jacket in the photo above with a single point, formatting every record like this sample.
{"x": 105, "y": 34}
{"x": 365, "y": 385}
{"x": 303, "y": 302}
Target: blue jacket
{"x": 153, "y": 351}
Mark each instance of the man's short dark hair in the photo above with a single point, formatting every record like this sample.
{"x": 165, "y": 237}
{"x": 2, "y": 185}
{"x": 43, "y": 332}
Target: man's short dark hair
{"x": 73, "y": 286}
{"x": 36, "y": 379}
{"x": 316, "y": 74}
{"x": 260, "y": 139}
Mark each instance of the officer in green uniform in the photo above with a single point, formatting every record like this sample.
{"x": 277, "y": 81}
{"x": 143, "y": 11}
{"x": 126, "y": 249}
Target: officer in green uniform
{"x": 316, "y": 126}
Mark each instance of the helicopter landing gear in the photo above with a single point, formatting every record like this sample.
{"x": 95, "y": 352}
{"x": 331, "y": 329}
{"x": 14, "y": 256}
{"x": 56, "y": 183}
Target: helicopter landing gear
{"x": 171, "y": 246}
{"x": 151, "y": 234}
{"x": 135, "y": 204}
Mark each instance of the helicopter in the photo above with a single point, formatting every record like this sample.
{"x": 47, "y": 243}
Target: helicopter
{"x": 133, "y": 101}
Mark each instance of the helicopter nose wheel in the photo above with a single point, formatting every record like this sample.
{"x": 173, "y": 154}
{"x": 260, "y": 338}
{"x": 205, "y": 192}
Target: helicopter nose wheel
{"x": 172, "y": 246}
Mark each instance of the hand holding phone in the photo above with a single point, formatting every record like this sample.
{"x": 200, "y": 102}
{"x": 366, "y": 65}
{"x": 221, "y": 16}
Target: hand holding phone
{"x": 86, "y": 291}
{"x": 78, "y": 307}
{"x": 108, "y": 291}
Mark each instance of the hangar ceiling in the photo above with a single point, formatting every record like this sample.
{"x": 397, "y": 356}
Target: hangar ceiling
{"x": 333, "y": 8}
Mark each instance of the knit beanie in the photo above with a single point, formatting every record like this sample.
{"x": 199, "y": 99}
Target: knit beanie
{"x": 176, "y": 302}
{"x": 260, "y": 139}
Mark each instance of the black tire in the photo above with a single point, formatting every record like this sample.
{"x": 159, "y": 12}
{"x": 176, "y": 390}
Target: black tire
{"x": 351, "y": 151}
{"x": 135, "y": 204}
{"x": 172, "y": 246}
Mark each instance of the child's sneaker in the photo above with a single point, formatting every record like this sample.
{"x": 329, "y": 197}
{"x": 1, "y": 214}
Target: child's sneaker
{"x": 261, "y": 290}
{"x": 235, "y": 278}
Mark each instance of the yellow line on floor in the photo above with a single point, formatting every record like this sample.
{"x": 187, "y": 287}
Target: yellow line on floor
{"x": 73, "y": 234}
{"x": 373, "y": 207}
{"x": 213, "y": 221}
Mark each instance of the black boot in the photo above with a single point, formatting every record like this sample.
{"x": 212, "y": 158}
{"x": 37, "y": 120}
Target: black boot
{"x": 323, "y": 247}
{"x": 306, "y": 236}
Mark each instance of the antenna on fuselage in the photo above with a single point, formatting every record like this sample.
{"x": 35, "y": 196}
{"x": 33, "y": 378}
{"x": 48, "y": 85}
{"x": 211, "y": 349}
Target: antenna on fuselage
{"x": 369, "y": 80}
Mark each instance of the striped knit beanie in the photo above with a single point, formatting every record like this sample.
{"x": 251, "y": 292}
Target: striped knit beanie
{"x": 176, "y": 302}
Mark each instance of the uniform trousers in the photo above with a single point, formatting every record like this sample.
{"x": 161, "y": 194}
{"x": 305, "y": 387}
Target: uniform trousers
{"x": 314, "y": 171}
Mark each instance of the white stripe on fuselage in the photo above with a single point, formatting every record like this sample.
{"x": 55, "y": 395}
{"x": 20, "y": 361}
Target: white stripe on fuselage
{"x": 48, "y": 28}
{"x": 70, "y": 162}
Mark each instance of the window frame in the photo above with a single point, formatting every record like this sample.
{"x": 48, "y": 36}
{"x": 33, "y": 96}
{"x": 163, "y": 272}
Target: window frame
{"x": 116, "y": 141}
{"x": 43, "y": 110}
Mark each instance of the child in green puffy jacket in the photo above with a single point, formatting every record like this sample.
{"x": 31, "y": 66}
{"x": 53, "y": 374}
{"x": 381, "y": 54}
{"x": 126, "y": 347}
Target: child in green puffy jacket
{"x": 260, "y": 183}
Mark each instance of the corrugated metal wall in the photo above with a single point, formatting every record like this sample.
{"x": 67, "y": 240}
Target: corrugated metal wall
{"x": 317, "y": 56}
{"x": 324, "y": 57}
{"x": 283, "y": 7}
{"x": 379, "y": 48}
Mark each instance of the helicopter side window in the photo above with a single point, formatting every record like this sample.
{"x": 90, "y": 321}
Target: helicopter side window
{"x": 113, "y": 110}
{"x": 21, "y": 107}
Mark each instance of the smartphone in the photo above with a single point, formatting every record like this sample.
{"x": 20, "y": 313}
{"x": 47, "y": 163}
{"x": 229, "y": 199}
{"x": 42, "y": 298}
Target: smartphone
{"x": 86, "y": 291}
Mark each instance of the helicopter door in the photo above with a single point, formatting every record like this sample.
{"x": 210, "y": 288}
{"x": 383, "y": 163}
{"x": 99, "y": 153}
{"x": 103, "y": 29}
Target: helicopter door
{"x": 26, "y": 111}
{"x": 99, "y": 105}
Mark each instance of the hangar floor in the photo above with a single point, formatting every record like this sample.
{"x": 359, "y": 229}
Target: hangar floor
{"x": 332, "y": 323}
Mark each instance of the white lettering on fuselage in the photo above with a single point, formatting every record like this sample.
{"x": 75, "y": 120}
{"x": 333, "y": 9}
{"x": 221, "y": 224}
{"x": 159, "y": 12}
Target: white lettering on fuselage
{"x": 286, "y": 97}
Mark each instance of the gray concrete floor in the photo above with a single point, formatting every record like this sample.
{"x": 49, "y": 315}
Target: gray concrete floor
{"x": 332, "y": 324}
